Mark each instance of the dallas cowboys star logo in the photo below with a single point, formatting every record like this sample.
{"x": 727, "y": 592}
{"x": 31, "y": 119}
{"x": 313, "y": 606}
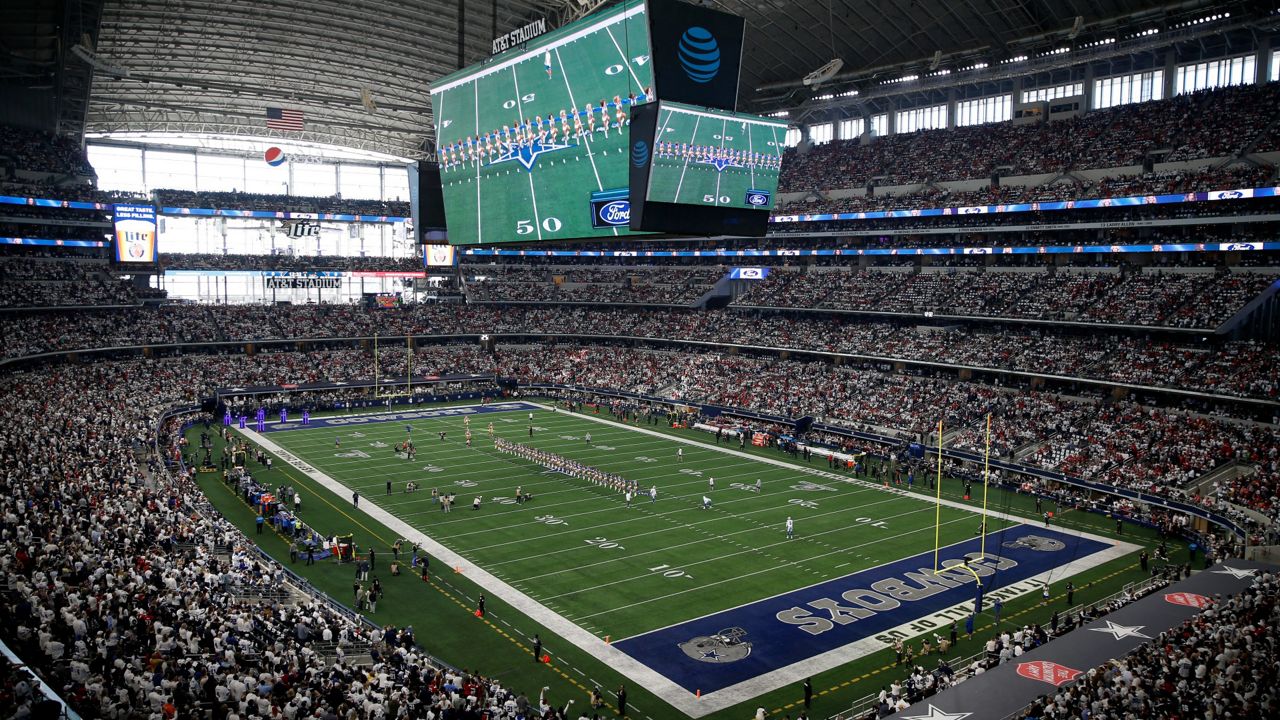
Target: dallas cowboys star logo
{"x": 721, "y": 163}
{"x": 1237, "y": 573}
{"x": 711, "y": 655}
{"x": 527, "y": 155}
{"x": 936, "y": 714}
{"x": 1120, "y": 632}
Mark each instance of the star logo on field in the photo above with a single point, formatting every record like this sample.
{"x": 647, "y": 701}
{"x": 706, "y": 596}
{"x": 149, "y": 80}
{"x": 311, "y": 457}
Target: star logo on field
{"x": 721, "y": 163}
{"x": 1237, "y": 573}
{"x": 936, "y": 714}
{"x": 527, "y": 155}
{"x": 710, "y": 655}
{"x": 1119, "y": 632}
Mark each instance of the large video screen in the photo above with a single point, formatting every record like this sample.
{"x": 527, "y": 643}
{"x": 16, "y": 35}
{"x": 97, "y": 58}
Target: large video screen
{"x": 710, "y": 157}
{"x": 532, "y": 144}
{"x": 135, "y": 233}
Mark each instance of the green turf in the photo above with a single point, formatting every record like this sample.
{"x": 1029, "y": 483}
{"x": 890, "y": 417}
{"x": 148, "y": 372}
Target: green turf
{"x": 682, "y": 180}
{"x": 441, "y": 610}
{"x": 580, "y": 551}
{"x": 550, "y": 200}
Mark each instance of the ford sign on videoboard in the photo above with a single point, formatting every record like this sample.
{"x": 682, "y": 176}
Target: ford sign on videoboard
{"x": 748, "y": 273}
{"x": 135, "y": 233}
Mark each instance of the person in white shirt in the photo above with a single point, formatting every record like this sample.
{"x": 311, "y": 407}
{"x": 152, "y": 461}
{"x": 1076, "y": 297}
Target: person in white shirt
{"x": 791, "y": 528}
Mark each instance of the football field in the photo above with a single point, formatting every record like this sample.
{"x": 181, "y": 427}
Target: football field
{"x": 686, "y": 600}
{"x": 542, "y": 190}
{"x": 704, "y": 181}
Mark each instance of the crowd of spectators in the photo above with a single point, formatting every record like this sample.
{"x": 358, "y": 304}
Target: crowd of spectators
{"x": 1221, "y": 663}
{"x": 132, "y": 598}
{"x": 1236, "y": 368}
{"x": 618, "y": 284}
{"x": 1137, "y": 184}
{"x": 41, "y": 152}
{"x": 53, "y": 283}
{"x": 238, "y": 200}
{"x": 1115, "y": 137}
{"x": 1177, "y": 299}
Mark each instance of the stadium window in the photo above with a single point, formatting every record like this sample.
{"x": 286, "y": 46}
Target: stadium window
{"x": 821, "y": 133}
{"x": 315, "y": 179}
{"x": 996, "y": 108}
{"x": 118, "y": 168}
{"x": 880, "y": 125}
{"x": 932, "y": 117}
{"x": 1126, "y": 89}
{"x": 1215, "y": 73}
{"x": 792, "y": 138}
{"x": 1275, "y": 66}
{"x": 171, "y": 170}
{"x": 395, "y": 182}
{"x": 1046, "y": 94}
{"x": 851, "y": 129}
{"x": 219, "y": 173}
{"x": 263, "y": 178}
{"x": 360, "y": 182}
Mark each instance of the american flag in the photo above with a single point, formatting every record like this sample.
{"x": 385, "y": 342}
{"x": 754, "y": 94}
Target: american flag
{"x": 280, "y": 119}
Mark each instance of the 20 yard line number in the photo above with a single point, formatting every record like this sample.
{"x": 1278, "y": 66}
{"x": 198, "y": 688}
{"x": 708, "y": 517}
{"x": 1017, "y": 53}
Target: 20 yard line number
{"x": 549, "y": 224}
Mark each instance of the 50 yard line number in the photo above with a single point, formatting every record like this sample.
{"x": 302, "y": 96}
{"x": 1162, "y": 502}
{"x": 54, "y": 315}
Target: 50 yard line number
{"x": 549, "y": 223}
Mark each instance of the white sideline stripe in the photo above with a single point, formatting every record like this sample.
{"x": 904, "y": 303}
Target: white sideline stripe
{"x": 580, "y": 638}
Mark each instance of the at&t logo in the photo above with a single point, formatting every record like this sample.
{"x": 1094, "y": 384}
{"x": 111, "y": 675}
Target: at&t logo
{"x": 699, "y": 54}
{"x": 640, "y": 153}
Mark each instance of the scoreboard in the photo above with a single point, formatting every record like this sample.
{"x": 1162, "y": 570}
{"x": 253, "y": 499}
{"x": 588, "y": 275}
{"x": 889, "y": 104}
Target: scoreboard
{"x": 525, "y": 139}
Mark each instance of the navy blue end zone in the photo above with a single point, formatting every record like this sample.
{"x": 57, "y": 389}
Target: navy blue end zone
{"x": 721, "y": 650}
{"x": 402, "y": 416}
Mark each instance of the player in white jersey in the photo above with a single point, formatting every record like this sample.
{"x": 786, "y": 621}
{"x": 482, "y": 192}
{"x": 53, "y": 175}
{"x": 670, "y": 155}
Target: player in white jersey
{"x": 791, "y": 528}
{"x": 653, "y": 494}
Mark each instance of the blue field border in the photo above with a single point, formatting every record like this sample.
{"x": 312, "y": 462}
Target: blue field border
{"x": 775, "y": 644}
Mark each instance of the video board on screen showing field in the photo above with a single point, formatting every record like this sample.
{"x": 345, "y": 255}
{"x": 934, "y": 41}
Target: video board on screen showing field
{"x": 532, "y": 144}
{"x": 703, "y": 156}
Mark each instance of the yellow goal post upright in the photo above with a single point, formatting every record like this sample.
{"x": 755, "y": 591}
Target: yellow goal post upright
{"x": 377, "y": 374}
{"x": 937, "y": 519}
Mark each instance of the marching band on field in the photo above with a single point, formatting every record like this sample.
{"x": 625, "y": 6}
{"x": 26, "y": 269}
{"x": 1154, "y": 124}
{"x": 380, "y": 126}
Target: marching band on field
{"x": 572, "y": 468}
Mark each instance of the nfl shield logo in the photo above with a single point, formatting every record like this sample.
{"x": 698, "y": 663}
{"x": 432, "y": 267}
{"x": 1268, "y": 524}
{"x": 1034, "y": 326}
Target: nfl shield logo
{"x": 1188, "y": 599}
{"x": 1047, "y": 671}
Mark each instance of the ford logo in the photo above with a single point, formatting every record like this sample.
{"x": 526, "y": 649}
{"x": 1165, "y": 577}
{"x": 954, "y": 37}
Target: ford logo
{"x": 758, "y": 199}
{"x": 617, "y": 212}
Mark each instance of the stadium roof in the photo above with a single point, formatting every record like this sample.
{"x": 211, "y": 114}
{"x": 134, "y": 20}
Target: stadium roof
{"x": 359, "y": 69}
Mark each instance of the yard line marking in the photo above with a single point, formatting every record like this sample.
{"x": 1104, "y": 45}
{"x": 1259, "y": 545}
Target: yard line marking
{"x": 584, "y": 139}
{"x": 625, "y": 60}
{"x": 738, "y": 577}
{"x": 685, "y": 167}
